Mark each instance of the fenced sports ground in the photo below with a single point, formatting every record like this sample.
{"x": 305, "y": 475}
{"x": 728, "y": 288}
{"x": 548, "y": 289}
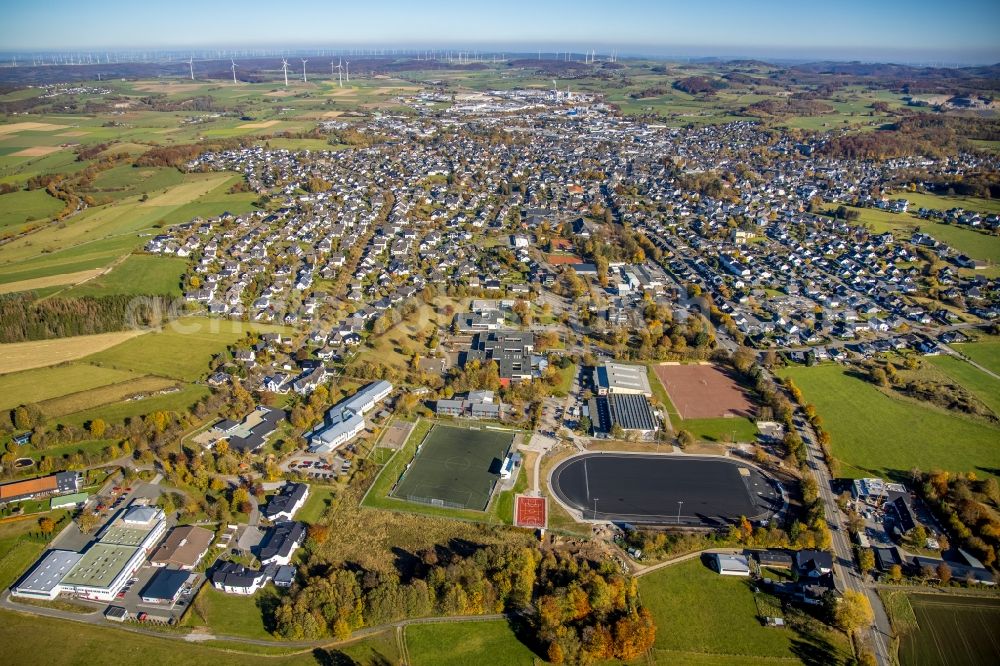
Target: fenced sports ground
{"x": 455, "y": 467}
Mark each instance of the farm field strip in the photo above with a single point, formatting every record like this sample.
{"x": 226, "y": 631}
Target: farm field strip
{"x": 18, "y": 356}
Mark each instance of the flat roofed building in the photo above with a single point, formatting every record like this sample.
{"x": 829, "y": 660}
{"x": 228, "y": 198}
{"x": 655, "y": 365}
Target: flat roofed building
{"x": 103, "y": 571}
{"x": 345, "y": 420}
{"x": 45, "y": 578}
{"x": 618, "y": 378}
{"x": 165, "y": 586}
{"x": 183, "y": 548}
{"x": 730, "y": 565}
{"x": 138, "y": 526}
{"x": 511, "y": 350}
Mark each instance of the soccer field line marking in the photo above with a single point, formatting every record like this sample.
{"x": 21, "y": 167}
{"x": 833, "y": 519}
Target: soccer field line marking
{"x": 586, "y": 478}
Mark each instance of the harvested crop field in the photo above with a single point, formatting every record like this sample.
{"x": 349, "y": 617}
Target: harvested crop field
{"x": 104, "y": 395}
{"x": 703, "y": 391}
{"x": 260, "y": 125}
{"x": 50, "y": 281}
{"x": 36, "y": 151}
{"x": 14, "y": 128}
{"x": 40, "y": 353}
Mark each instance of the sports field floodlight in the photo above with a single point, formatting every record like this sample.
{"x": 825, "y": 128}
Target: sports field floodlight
{"x": 304, "y": 79}
{"x": 284, "y": 68}
{"x": 191, "y": 66}
{"x": 234, "y": 70}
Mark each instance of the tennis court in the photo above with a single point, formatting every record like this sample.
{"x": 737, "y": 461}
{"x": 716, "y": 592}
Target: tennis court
{"x": 455, "y": 467}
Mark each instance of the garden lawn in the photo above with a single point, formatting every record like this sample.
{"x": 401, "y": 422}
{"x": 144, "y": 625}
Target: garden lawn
{"x": 316, "y": 504}
{"x": 236, "y": 615}
{"x": 462, "y": 643}
{"x": 877, "y": 435}
{"x": 698, "y": 611}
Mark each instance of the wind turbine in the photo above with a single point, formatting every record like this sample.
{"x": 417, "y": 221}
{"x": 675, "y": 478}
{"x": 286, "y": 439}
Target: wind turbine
{"x": 304, "y": 79}
{"x": 234, "y": 70}
{"x": 284, "y": 68}
{"x": 191, "y": 66}
{"x": 340, "y": 71}
{"x": 347, "y": 65}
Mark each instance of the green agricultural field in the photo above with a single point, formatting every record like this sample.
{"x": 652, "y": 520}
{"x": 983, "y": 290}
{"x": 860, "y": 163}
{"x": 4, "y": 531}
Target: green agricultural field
{"x": 984, "y": 386}
{"x": 699, "y": 613}
{"x": 138, "y": 274}
{"x": 975, "y": 244}
{"x": 73, "y": 403}
{"x": 116, "y": 413}
{"x": 98, "y": 235}
{"x": 940, "y": 202}
{"x": 874, "y": 434}
{"x": 30, "y": 639}
{"x": 46, "y": 383}
{"x": 127, "y": 181}
{"x": 17, "y": 208}
{"x": 467, "y": 643}
{"x": 952, "y": 631}
{"x": 182, "y": 350}
{"x": 986, "y": 353}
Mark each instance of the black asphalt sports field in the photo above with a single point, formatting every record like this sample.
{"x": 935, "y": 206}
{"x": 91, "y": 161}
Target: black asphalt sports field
{"x": 648, "y": 489}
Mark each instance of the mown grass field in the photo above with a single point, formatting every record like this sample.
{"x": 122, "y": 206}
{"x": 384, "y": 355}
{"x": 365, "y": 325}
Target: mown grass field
{"x": 16, "y": 208}
{"x": 463, "y": 643}
{"x": 986, "y": 353}
{"x": 52, "y": 382}
{"x": 176, "y": 401}
{"x": 182, "y": 350}
{"x": 952, "y": 631}
{"x": 975, "y": 244}
{"x": 17, "y": 356}
{"x": 876, "y": 435}
{"x": 711, "y": 617}
{"x": 73, "y": 403}
{"x": 37, "y": 640}
{"x": 137, "y": 274}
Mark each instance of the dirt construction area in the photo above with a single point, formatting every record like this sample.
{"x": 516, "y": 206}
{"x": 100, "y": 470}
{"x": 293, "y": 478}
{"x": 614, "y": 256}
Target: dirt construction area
{"x": 703, "y": 391}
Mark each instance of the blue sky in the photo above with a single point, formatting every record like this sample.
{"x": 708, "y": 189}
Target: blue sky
{"x": 900, "y": 30}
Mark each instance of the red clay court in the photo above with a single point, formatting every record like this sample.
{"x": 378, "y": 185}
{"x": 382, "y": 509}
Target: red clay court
{"x": 703, "y": 391}
{"x": 530, "y": 512}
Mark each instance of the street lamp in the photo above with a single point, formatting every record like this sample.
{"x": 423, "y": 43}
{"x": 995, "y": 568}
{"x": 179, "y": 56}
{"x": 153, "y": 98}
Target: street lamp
{"x": 680, "y": 503}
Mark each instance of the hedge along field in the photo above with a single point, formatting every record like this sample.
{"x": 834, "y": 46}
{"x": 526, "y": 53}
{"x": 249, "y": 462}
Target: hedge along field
{"x": 877, "y": 435}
